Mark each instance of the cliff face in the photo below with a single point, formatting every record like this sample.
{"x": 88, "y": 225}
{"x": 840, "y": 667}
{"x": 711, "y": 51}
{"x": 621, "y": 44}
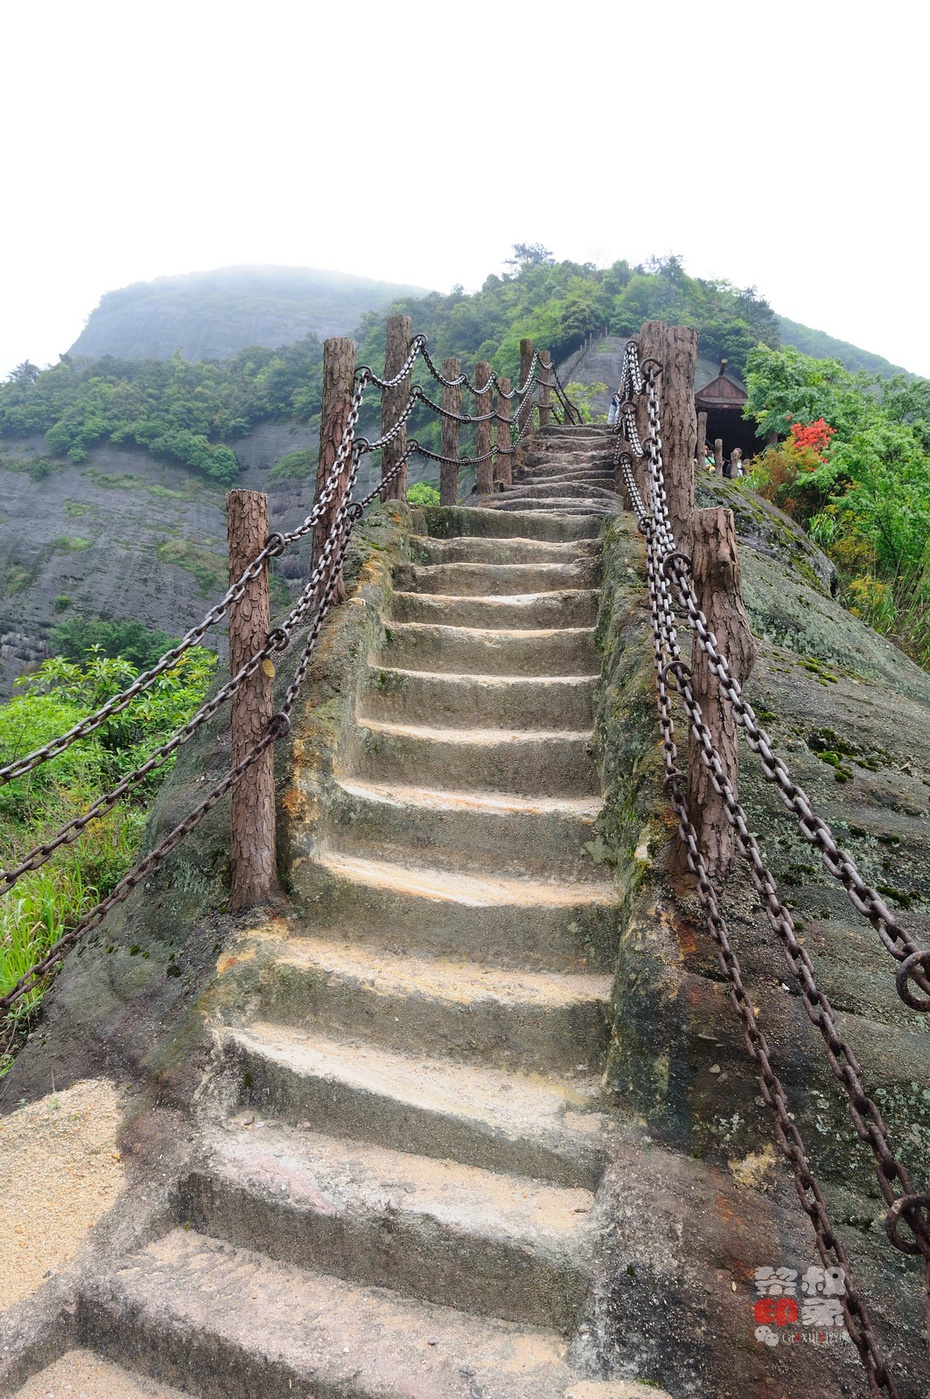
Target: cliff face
{"x": 213, "y": 315}
{"x": 849, "y": 714}
{"x": 122, "y": 536}
{"x": 125, "y": 536}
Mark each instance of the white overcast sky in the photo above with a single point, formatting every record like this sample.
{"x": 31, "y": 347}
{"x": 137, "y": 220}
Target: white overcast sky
{"x": 779, "y": 145}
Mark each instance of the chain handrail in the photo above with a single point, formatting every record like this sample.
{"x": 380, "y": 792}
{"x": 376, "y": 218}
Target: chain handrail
{"x": 319, "y": 591}
{"x": 668, "y": 568}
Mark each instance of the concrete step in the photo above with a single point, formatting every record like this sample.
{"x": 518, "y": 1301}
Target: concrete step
{"x": 476, "y": 832}
{"x": 558, "y": 505}
{"x": 493, "y": 1245}
{"x": 489, "y": 701}
{"x": 509, "y": 922}
{"x": 600, "y": 475}
{"x": 476, "y": 1115}
{"x": 481, "y": 549}
{"x": 494, "y": 580}
{"x": 565, "y": 490}
{"x": 233, "y": 1324}
{"x": 574, "y": 608}
{"x": 489, "y": 651}
{"x": 467, "y": 1011}
{"x": 476, "y": 520}
{"x": 529, "y": 762}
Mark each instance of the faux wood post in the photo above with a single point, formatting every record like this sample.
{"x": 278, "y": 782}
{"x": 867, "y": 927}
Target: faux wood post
{"x": 503, "y": 470}
{"x": 675, "y": 348}
{"x": 700, "y": 454}
{"x": 716, "y": 572}
{"x": 449, "y": 434}
{"x": 338, "y": 388}
{"x": 484, "y": 404}
{"x": 545, "y": 379}
{"x": 526, "y": 408}
{"x": 718, "y": 455}
{"x": 252, "y": 842}
{"x": 393, "y": 402}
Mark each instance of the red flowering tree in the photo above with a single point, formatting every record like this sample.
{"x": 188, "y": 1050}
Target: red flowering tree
{"x": 813, "y": 438}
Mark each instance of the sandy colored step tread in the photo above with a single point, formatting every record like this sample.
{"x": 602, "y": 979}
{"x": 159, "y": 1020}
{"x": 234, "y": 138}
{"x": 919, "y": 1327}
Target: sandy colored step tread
{"x": 493, "y": 1244}
{"x": 544, "y": 1127}
{"x": 188, "y": 1304}
{"x": 468, "y": 890}
{"x": 79, "y": 1374}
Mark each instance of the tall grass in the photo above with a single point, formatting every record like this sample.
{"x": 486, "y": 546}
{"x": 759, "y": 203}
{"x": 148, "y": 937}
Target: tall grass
{"x": 899, "y": 609}
{"x": 46, "y": 903}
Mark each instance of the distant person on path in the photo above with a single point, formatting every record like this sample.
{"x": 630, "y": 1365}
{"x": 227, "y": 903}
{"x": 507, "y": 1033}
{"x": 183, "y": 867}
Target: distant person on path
{"x": 613, "y": 411}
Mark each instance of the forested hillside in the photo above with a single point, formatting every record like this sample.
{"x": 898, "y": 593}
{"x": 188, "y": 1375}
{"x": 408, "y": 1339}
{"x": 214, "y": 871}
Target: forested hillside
{"x": 214, "y": 315}
{"x": 192, "y": 413}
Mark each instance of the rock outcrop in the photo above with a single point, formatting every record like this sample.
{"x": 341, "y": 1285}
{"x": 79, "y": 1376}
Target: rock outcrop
{"x": 416, "y": 1013}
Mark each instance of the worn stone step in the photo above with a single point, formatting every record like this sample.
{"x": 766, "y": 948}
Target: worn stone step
{"x": 483, "y": 549}
{"x": 494, "y": 579}
{"x": 187, "y": 1308}
{"x": 509, "y": 922}
{"x": 530, "y": 762}
{"x": 473, "y": 1012}
{"x": 574, "y": 608}
{"x": 477, "y": 520}
{"x": 556, "y": 475}
{"x": 574, "y": 432}
{"x": 477, "y": 1115}
{"x": 489, "y": 651}
{"x": 558, "y": 505}
{"x": 479, "y": 832}
{"x": 565, "y": 489}
{"x": 495, "y": 1245}
{"x": 501, "y": 701}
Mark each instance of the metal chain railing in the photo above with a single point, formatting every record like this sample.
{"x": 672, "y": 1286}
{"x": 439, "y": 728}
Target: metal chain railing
{"x": 319, "y": 592}
{"x": 829, "y": 1246}
{"x": 666, "y": 566}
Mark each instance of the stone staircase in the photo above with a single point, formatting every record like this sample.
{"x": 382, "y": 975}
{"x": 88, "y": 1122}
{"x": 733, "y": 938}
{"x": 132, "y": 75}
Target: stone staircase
{"x": 567, "y": 469}
{"x": 398, "y": 1196}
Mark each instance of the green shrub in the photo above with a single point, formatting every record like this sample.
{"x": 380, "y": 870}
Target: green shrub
{"x": 422, "y": 493}
{"x": 46, "y": 902}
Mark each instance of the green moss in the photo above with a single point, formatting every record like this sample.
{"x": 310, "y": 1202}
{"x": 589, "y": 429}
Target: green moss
{"x": 208, "y": 568}
{"x": 818, "y": 670}
{"x": 17, "y": 578}
{"x": 116, "y": 480}
{"x": 76, "y": 507}
{"x": 70, "y": 544}
{"x": 900, "y": 897}
{"x": 295, "y": 466}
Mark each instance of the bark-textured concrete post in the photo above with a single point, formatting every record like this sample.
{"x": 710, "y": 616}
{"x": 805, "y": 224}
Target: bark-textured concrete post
{"x": 503, "y": 471}
{"x": 675, "y": 347}
{"x": 525, "y": 412}
{"x": 484, "y": 405}
{"x": 545, "y": 379}
{"x": 449, "y": 435}
{"x": 393, "y": 402}
{"x": 252, "y": 844}
{"x": 715, "y": 567}
{"x": 718, "y": 455}
{"x": 700, "y": 454}
{"x": 338, "y": 388}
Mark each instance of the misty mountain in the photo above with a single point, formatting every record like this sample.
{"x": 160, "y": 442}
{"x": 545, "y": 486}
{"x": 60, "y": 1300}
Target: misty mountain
{"x": 213, "y": 315}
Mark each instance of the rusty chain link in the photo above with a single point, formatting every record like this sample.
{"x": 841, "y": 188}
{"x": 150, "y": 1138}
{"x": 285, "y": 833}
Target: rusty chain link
{"x": 325, "y": 574}
{"x": 667, "y": 567}
{"x": 829, "y": 1246}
